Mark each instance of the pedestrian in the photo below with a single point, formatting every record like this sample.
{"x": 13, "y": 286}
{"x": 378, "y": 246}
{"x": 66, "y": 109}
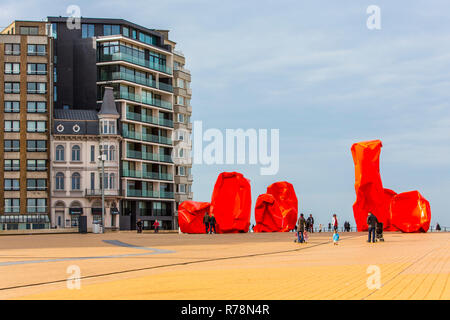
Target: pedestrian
{"x": 438, "y": 227}
{"x": 206, "y": 222}
{"x": 372, "y": 224}
{"x": 156, "y": 225}
{"x": 301, "y": 224}
{"x": 311, "y": 223}
{"x": 335, "y": 222}
{"x": 335, "y": 238}
{"x": 212, "y": 224}
{"x": 139, "y": 226}
{"x": 320, "y": 227}
{"x": 329, "y": 227}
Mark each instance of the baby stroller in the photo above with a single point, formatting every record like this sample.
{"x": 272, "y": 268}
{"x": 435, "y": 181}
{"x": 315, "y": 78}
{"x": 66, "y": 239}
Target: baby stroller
{"x": 379, "y": 232}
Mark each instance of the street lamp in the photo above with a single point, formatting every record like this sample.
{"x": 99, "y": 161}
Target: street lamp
{"x": 102, "y": 158}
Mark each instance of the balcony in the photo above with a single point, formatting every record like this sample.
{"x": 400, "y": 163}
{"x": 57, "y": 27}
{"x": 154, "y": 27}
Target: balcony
{"x": 121, "y": 56}
{"x": 146, "y": 175}
{"x": 145, "y": 100}
{"x": 149, "y": 119}
{"x": 138, "y": 80}
{"x": 98, "y": 193}
{"x": 133, "y": 154}
{"x": 149, "y": 194}
{"x": 147, "y": 137}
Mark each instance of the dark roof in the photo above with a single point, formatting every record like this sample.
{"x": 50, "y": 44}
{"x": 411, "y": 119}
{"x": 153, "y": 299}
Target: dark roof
{"x": 108, "y": 104}
{"x": 63, "y": 114}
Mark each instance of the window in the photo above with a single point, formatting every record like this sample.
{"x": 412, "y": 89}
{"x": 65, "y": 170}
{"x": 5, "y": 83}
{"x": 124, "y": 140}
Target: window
{"x": 111, "y": 29}
{"x": 112, "y": 127}
{"x": 36, "y": 205}
{"x": 12, "y": 49}
{"x": 181, "y": 118}
{"x": 12, "y": 68}
{"x": 36, "y": 126}
{"x": 37, "y": 68}
{"x": 55, "y": 75}
{"x": 12, "y": 125}
{"x": 103, "y": 180}
{"x": 92, "y": 180}
{"x": 181, "y": 171}
{"x": 112, "y": 181}
{"x": 36, "y": 184}
{"x": 182, "y": 188}
{"x": 125, "y": 31}
{"x": 59, "y": 153}
{"x": 76, "y": 181}
{"x": 29, "y": 30}
{"x": 180, "y": 100}
{"x": 36, "y": 106}
{"x": 87, "y": 30}
{"x": 55, "y": 30}
{"x": 37, "y": 50}
{"x": 12, "y": 185}
{"x": 76, "y": 153}
{"x": 12, "y": 205}
{"x": 12, "y": 145}
{"x": 112, "y": 153}
{"x": 36, "y": 87}
{"x": 12, "y": 87}
{"x": 12, "y": 165}
{"x": 134, "y": 34}
{"x": 12, "y": 106}
{"x": 36, "y": 145}
{"x": 180, "y": 83}
{"x": 59, "y": 181}
{"x": 36, "y": 165}
{"x": 92, "y": 153}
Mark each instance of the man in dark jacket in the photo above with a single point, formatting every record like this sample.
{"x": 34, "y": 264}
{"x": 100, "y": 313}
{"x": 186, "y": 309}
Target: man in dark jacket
{"x": 372, "y": 224}
{"x": 139, "y": 226}
{"x": 212, "y": 224}
{"x": 301, "y": 228}
{"x": 206, "y": 222}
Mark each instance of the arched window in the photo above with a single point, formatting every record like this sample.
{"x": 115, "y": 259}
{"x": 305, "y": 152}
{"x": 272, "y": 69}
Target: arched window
{"x": 59, "y": 153}
{"x": 76, "y": 181}
{"x": 59, "y": 181}
{"x": 112, "y": 153}
{"x": 76, "y": 153}
{"x": 112, "y": 180}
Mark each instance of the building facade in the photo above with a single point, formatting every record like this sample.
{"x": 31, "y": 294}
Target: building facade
{"x": 139, "y": 65}
{"x": 26, "y": 71}
{"x": 79, "y": 138}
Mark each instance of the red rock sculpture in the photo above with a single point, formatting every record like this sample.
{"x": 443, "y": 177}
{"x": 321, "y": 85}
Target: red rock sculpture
{"x": 284, "y": 194}
{"x": 190, "y": 216}
{"x": 411, "y": 212}
{"x": 268, "y": 216}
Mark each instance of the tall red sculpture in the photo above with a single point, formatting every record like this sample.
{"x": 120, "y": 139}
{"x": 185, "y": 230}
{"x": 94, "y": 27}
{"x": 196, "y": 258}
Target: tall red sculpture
{"x": 385, "y": 204}
{"x": 190, "y": 216}
{"x": 284, "y": 194}
{"x": 231, "y": 203}
{"x": 268, "y": 216}
{"x": 411, "y": 212}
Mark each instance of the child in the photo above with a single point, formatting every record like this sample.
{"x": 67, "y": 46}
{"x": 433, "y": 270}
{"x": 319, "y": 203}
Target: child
{"x": 335, "y": 237}
{"x": 306, "y": 236}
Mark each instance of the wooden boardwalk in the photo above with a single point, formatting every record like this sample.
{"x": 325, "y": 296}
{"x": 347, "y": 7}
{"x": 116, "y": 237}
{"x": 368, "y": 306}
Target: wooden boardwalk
{"x": 233, "y": 266}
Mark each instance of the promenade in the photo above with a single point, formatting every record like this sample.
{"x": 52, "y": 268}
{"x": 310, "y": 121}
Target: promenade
{"x": 127, "y": 265}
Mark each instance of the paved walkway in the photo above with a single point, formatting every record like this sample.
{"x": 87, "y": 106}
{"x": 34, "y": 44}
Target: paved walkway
{"x": 233, "y": 266}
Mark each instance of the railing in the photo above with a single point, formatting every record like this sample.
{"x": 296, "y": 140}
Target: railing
{"x": 149, "y": 119}
{"x": 121, "y": 56}
{"x": 146, "y": 175}
{"x": 182, "y": 69}
{"x": 38, "y": 209}
{"x": 138, "y": 98}
{"x": 149, "y": 194}
{"x": 98, "y": 192}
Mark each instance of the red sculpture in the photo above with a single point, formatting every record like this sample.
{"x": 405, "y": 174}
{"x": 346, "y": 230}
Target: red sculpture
{"x": 284, "y": 194}
{"x": 268, "y": 216}
{"x": 190, "y": 216}
{"x": 231, "y": 203}
{"x": 408, "y": 212}
{"x": 411, "y": 212}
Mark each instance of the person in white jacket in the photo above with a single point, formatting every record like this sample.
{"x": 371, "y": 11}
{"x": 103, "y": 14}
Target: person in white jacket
{"x": 335, "y": 222}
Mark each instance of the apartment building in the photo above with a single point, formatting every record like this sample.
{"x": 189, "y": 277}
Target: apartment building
{"x": 79, "y": 137}
{"x": 26, "y": 100}
{"x": 152, "y": 93}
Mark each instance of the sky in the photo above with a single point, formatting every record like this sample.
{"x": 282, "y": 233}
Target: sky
{"x": 313, "y": 70}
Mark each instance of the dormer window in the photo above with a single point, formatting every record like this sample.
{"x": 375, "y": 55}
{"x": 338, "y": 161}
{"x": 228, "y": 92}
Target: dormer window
{"x": 108, "y": 127}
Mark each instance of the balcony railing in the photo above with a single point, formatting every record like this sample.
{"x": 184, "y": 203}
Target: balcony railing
{"x": 147, "y": 137}
{"x": 98, "y": 192}
{"x": 149, "y": 194}
{"x": 149, "y": 119}
{"x": 142, "y": 99}
{"x": 139, "y": 80}
{"x": 121, "y": 56}
{"x": 146, "y": 175}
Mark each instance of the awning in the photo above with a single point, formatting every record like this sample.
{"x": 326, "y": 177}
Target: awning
{"x": 75, "y": 210}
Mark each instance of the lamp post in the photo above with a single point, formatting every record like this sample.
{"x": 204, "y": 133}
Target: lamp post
{"x": 102, "y": 158}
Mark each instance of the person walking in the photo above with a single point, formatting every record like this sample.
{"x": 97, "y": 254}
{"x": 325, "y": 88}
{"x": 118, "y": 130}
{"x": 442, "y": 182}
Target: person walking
{"x": 212, "y": 224}
{"x": 301, "y": 224}
{"x": 438, "y": 227}
{"x": 335, "y": 238}
{"x": 335, "y": 222}
{"x": 206, "y": 222}
{"x": 320, "y": 227}
{"x": 372, "y": 224}
{"x": 156, "y": 225}
{"x": 139, "y": 226}
{"x": 311, "y": 223}
{"x": 329, "y": 227}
